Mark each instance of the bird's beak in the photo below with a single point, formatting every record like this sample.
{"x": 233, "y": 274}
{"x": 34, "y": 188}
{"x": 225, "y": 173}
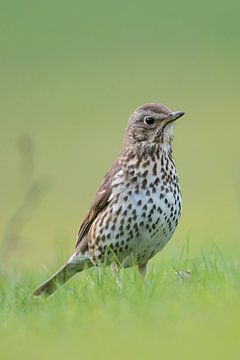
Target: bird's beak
{"x": 175, "y": 115}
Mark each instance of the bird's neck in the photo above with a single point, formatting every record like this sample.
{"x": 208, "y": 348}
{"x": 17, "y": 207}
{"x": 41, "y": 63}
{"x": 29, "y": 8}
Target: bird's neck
{"x": 142, "y": 154}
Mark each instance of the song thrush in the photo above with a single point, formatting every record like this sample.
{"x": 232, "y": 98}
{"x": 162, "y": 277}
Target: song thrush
{"x": 138, "y": 205}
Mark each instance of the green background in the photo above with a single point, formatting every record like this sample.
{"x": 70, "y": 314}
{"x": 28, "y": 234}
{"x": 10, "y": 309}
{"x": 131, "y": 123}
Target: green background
{"x": 70, "y": 75}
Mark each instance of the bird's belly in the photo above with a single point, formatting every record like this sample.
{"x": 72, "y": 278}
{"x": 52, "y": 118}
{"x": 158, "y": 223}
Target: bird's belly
{"x": 155, "y": 228}
{"x": 136, "y": 227}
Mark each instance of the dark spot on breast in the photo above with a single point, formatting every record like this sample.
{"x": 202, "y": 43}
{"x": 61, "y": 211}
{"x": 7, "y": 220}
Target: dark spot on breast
{"x": 144, "y": 183}
{"x": 155, "y": 169}
{"x": 135, "y": 226}
{"x": 147, "y": 163}
{"x": 97, "y": 239}
{"x": 145, "y": 174}
{"x": 119, "y": 210}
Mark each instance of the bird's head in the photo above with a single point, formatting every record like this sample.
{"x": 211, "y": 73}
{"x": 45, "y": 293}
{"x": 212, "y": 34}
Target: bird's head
{"x": 151, "y": 125}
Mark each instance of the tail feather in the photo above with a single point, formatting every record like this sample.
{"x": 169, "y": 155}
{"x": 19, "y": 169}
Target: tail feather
{"x": 73, "y": 266}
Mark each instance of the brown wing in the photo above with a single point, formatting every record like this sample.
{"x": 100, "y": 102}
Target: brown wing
{"x": 100, "y": 202}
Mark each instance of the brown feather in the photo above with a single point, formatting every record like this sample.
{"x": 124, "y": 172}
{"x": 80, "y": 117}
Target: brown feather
{"x": 100, "y": 202}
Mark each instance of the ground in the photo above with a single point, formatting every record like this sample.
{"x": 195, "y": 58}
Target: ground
{"x": 171, "y": 314}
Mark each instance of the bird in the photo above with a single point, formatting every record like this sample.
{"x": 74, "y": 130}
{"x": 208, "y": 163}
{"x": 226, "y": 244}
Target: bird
{"x": 138, "y": 204}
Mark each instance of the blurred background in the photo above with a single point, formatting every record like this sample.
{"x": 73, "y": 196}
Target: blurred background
{"x": 71, "y": 74}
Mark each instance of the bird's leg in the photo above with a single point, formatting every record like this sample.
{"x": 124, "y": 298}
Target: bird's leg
{"x": 115, "y": 270}
{"x": 143, "y": 270}
{"x": 114, "y": 267}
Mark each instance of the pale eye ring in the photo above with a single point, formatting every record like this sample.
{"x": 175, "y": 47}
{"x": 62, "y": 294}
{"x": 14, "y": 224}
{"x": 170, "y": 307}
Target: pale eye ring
{"x": 149, "y": 120}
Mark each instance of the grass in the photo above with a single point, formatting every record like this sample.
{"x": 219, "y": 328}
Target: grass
{"x": 97, "y": 315}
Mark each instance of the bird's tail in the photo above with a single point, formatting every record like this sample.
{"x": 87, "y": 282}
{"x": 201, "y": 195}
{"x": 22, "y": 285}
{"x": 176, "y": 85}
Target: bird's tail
{"x": 75, "y": 264}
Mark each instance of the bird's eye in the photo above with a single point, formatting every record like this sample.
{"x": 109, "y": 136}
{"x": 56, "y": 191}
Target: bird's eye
{"x": 149, "y": 120}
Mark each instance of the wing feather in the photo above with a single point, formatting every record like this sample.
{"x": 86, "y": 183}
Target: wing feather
{"x": 100, "y": 202}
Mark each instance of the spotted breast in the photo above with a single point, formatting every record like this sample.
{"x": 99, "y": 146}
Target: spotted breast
{"x": 143, "y": 212}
